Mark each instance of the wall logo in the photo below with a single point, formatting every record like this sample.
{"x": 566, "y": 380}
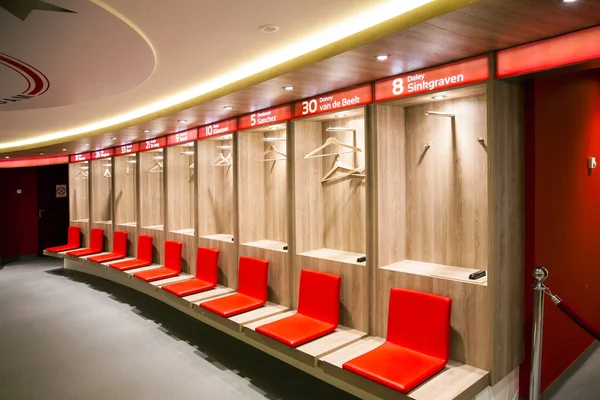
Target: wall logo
{"x": 37, "y": 82}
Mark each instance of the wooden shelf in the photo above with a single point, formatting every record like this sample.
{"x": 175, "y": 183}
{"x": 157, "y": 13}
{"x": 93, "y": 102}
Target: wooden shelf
{"x": 80, "y": 220}
{"x": 436, "y": 271}
{"x": 103, "y": 222}
{"x": 155, "y": 227}
{"x": 222, "y": 237}
{"x": 268, "y": 245}
{"x": 133, "y": 224}
{"x": 335, "y": 255}
{"x": 188, "y": 232}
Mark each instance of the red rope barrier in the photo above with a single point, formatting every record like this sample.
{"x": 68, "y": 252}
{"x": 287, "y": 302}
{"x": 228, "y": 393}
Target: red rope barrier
{"x": 577, "y": 319}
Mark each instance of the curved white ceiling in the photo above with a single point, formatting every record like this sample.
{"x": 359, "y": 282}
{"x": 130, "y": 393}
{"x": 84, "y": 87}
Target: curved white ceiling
{"x": 59, "y": 58}
{"x": 199, "y": 46}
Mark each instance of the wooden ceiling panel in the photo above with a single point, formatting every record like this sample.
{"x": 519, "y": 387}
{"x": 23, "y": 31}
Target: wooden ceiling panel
{"x": 476, "y": 29}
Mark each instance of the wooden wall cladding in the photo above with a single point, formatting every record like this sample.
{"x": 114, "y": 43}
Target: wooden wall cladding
{"x": 151, "y": 188}
{"x": 216, "y": 211}
{"x": 125, "y": 189}
{"x": 263, "y": 200}
{"x": 101, "y": 172}
{"x": 181, "y": 200}
{"x": 446, "y": 185}
{"x": 329, "y": 215}
{"x": 506, "y": 188}
{"x": 79, "y": 205}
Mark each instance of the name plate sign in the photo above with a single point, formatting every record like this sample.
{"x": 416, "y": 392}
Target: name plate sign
{"x": 218, "y": 128}
{"x": 335, "y": 101}
{"x": 98, "y": 154}
{"x": 127, "y": 149}
{"x": 265, "y": 117}
{"x": 80, "y": 157}
{"x": 182, "y": 137}
{"x": 445, "y": 77}
{"x": 153, "y": 144}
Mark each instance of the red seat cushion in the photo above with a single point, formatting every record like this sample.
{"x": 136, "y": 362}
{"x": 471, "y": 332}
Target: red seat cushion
{"x": 232, "y": 305}
{"x": 120, "y": 243}
{"x": 156, "y": 274}
{"x": 84, "y": 252}
{"x": 318, "y": 311}
{"x": 65, "y": 247}
{"x": 73, "y": 242}
{"x": 253, "y": 277}
{"x": 418, "y": 342}
{"x": 144, "y": 250}
{"x": 296, "y": 329}
{"x": 106, "y": 257}
{"x": 187, "y": 288}
{"x": 396, "y": 367}
{"x": 129, "y": 264}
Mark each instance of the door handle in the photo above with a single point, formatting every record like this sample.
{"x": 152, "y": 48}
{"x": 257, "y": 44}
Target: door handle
{"x": 40, "y": 213}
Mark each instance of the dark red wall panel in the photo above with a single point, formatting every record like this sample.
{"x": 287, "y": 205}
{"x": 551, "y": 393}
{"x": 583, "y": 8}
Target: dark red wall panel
{"x": 563, "y": 227}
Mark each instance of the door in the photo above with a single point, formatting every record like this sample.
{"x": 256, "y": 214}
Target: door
{"x": 53, "y": 210}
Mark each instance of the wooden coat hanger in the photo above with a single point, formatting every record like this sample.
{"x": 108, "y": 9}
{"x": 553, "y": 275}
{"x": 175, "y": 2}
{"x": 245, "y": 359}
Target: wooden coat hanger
{"x": 157, "y": 167}
{"x": 223, "y": 161}
{"x": 336, "y": 166}
{"x": 329, "y": 142}
{"x": 81, "y": 174}
{"x": 107, "y": 173}
{"x": 273, "y": 149}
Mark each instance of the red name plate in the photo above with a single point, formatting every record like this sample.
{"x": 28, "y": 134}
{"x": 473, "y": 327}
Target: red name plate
{"x": 445, "y": 77}
{"x": 103, "y": 153}
{"x": 563, "y": 50}
{"x": 331, "y": 102}
{"x": 128, "y": 149}
{"x": 34, "y": 162}
{"x": 80, "y": 157}
{"x": 265, "y": 117}
{"x": 218, "y": 128}
{"x": 153, "y": 144}
{"x": 182, "y": 137}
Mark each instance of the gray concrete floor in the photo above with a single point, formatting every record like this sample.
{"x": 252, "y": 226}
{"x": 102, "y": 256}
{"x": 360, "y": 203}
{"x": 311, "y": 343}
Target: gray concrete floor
{"x": 66, "y": 335}
{"x": 581, "y": 381}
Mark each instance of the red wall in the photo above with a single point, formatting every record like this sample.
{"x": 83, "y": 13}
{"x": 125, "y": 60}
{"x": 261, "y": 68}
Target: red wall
{"x": 18, "y": 212}
{"x": 563, "y": 212}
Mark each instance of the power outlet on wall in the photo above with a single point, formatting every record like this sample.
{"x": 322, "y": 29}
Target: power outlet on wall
{"x": 591, "y": 162}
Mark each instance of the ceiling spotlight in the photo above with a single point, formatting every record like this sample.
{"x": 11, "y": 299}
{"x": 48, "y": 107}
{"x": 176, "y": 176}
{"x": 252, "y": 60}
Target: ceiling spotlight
{"x": 382, "y": 57}
{"x": 64, "y": 150}
{"x": 113, "y": 138}
{"x": 41, "y": 154}
{"x": 268, "y": 28}
{"x": 7, "y": 157}
{"x": 438, "y": 97}
{"x": 569, "y": 1}
{"x": 146, "y": 130}
{"x": 228, "y": 108}
{"x": 288, "y": 88}
{"x": 182, "y": 121}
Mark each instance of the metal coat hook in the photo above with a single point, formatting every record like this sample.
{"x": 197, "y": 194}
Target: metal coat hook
{"x": 427, "y": 146}
{"x": 481, "y": 141}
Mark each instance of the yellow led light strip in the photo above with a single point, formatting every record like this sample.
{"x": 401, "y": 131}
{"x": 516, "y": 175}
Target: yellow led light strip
{"x": 370, "y": 25}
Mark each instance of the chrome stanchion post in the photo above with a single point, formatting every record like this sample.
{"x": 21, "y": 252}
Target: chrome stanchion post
{"x": 540, "y": 274}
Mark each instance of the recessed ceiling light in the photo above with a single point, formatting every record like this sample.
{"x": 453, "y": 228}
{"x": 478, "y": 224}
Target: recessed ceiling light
{"x": 41, "y": 154}
{"x": 64, "y": 150}
{"x": 147, "y": 131}
{"x": 268, "y": 28}
{"x": 113, "y": 138}
{"x": 182, "y": 121}
{"x": 288, "y": 88}
{"x": 382, "y": 57}
{"x": 228, "y": 108}
{"x": 7, "y": 157}
{"x": 569, "y": 1}
{"x": 438, "y": 97}
{"x": 87, "y": 144}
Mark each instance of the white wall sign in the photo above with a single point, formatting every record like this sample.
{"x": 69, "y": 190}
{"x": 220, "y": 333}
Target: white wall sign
{"x": 61, "y": 191}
